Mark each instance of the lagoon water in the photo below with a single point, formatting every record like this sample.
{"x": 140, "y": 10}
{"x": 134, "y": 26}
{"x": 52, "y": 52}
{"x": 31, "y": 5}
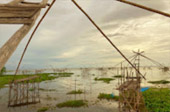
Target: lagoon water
{"x": 84, "y": 81}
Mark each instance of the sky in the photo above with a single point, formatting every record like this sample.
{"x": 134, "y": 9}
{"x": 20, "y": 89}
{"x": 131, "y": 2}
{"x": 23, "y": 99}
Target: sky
{"x": 66, "y": 38}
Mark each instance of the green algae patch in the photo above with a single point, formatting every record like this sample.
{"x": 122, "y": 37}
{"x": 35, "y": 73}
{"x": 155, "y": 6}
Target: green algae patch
{"x": 105, "y": 80}
{"x": 102, "y": 96}
{"x": 72, "y": 103}
{"x": 159, "y": 82}
{"x": 43, "y": 109}
{"x": 75, "y": 92}
{"x": 65, "y": 74}
{"x": 118, "y": 76}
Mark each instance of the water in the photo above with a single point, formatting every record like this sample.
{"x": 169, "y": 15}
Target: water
{"x": 86, "y": 83}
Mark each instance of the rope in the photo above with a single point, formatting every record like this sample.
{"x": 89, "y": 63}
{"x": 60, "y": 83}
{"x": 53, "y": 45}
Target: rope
{"x": 107, "y": 38}
{"x": 153, "y": 61}
{"x": 124, "y": 60}
{"x": 32, "y": 37}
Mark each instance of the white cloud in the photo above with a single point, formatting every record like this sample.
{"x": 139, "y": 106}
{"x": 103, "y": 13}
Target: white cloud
{"x": 71, "y": 53}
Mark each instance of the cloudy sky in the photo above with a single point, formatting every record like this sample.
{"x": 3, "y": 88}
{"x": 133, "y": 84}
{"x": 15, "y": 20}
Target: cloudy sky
{"x": 66, "y": 38}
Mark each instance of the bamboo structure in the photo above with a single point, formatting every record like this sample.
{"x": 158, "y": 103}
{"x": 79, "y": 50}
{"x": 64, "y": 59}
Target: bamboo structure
{"x": 18, "y": 12}
{"x": 24, "y": 92}
{"x": 129, "y": 89}
{"x": 26, "y": 13}
{"x": 145, "y": 8}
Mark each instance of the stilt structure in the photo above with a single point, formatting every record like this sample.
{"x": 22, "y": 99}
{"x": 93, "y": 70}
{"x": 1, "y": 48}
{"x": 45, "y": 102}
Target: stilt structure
{"x": 85, "y": 72}
{"x": 102, "y": 71}
{"x": 18, "y": 12}
{"x": 129, "y": 89}
{"x": 24, "y": 92}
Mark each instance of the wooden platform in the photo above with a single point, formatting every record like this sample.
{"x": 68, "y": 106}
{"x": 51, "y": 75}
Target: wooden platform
{"x": 24, "y": 92}
{"x": 128, "y": 85}
{"x": 20, "y": 12}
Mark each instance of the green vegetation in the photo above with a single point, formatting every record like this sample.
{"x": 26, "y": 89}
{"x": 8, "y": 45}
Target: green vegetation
{"x": 43, "y": 109}
{"x": 93, "y": 74}
{"x": 48, "y": 98}
{"x": 41, "y": 89}
{"x": 72, "y": 103}
{"x": 159, "y": 82}
{"x": 75, "y": 92}
{"x": 6, "y": 79}
{"x": 106, "y": 80}
{"x": 63, "y": 74}
{"x": 157, "y": 100}
{"x": 31, "y": 89}
{"x": 3, "y": 71}
{"x": 45, "y": 76}
{"x": 118, "y": 76}
{"x": 108, "y": 97}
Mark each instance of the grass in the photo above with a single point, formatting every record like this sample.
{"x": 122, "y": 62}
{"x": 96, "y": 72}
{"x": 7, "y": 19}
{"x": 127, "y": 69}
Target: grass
{"x": 72, "y": 103}
{"x": 157, "y": 100}
{"x": 118, "y": 76}
{"x": 6, "y": 79}
{"x": 63, "y": 74}
{"x": 106, "y": 80}
{"x": 107, "y": 97}
{"x": 45, "y": 77}
{"x": 75, "y": 92}
{"x": 159, "y": 82}
{"x": 43, "y": 109}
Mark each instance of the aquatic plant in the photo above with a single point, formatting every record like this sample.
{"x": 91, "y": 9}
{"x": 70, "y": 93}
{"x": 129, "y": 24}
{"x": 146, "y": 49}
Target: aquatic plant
{"x": 159, "y": 82}
{"x": 6, "y": 79}
{"x": 165, "y": 69}
{"x": 107, "y": 97}
{"x": 41, "y": 89}
{"x": 45, "y": 77}
{"x": 43, "y": 109}
{"x": 118, "y": 76}
{"x": 75, "y": 92}
{"x": 157, "y": 100}
{"x": 65, "y": 74}
{"x": 72, "y": 103}
{"x": 106, "y": 80}
{"x": 31, "y": 89}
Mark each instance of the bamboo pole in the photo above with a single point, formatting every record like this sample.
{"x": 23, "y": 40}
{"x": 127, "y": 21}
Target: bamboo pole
{"x": 145, "y": 8}
{"x": 106, "y": 37}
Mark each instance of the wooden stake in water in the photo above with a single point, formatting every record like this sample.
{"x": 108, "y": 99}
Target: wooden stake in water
{"x": 75, "y": 87}
{"x": 84, "y": 93}
{"x": 90, "y": 84}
